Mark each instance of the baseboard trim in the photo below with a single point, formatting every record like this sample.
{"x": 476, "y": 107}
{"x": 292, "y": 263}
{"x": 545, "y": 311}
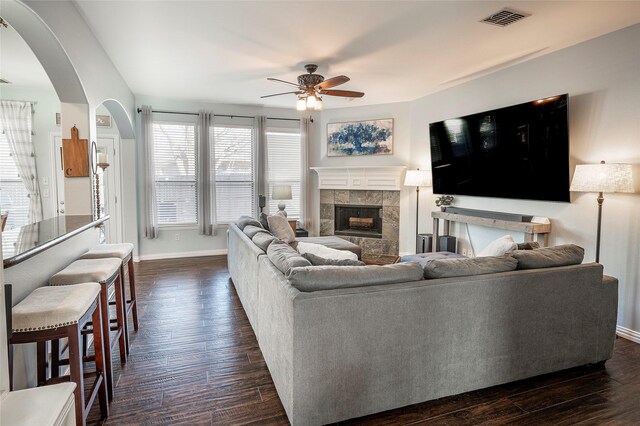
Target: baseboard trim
{"x": 628, "y": 334}
{"x": 158, "y": 256}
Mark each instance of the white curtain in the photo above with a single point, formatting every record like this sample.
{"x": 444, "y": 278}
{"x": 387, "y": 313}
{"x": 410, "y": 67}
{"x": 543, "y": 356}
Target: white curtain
{"x": 206, "y": 185}
{"x": 263, "y": 157}
{"x": 305, "y": 191}
{"x": 15, "y": 117}
{"x": 151, "y": 215}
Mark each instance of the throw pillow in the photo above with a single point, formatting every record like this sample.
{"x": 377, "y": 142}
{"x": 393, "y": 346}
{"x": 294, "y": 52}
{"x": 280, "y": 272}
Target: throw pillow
{"x": 446, "y": 268}
{"x": 323, "y": 251}
{"x": 316, "y": 278}
{"x": 251, "y": 230}
{"x": 549, "y": 257}
{"x": 318, "y": 261}
{"x": 246, "y": 220}
{"x": 501, "y": 246}
{"x": 263, "y": 221}
{"x": 263, "y": 240}
{"x": 284, "y": 257}
{"x": 531, "y": 245}
{"x": 279, "y": 226}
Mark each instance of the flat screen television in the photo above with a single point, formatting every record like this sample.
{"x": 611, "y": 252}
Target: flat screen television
{"x": 520, "y": 151}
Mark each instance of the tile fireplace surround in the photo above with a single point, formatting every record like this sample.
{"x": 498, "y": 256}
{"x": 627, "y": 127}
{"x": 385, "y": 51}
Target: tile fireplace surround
{"x": 375, "y": 250}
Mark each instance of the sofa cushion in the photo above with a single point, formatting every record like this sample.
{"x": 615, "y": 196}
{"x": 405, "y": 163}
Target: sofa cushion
{"x": 549, "y": 257}
{"x": 332, "y": 241}
{"x": 316, "y": 278}
{"x": 446, "y": 268}
{"x": 324, "y": 251}
{"x": 529, "y": 245}
{"x": 247, "y": 220}
{"x": 501, "y": 246}
{"x": 319, "y": 260}
{"x": 424, "y": 258}
{"x": 251, "y": 230}
{"x": 284, "y": 257}
{"x": 263, "y": 240}
{"x": 279, "y": 226}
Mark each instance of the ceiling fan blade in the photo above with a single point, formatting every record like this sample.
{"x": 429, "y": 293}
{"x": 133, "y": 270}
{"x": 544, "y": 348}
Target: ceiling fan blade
{"x": 332, "y": 82}
{"x": 345, "y": 93}
{"x": 282, "y": 81}
{"x": 297, "y": 92}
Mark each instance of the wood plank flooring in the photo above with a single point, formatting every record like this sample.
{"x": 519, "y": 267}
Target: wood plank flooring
{"x": 196, "y": 361}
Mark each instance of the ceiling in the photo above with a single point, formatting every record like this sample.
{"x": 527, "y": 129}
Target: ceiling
{"x": 18, "y": 64}
{"x": 223, "y": 51}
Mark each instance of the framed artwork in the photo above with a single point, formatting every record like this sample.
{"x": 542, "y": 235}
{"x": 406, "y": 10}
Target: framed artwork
{"x": 371, "y": 137}
{"x": 101, "y": 120}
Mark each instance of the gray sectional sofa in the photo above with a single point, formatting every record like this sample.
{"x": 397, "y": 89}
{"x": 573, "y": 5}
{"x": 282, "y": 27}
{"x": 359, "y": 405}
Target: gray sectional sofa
{"x": 348, "y": 352}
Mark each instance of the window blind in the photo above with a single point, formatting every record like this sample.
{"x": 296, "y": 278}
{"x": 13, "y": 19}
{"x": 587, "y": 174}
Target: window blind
{"x": 284, "y": 162}
{"x": 234, "y": 171}
{"x": 175, "y": 173}
{"x": 14, "y": 197}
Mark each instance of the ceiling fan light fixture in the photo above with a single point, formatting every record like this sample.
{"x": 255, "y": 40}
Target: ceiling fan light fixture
{"x": 301, "y": 105}
{"x": 311, "y": 101}
{"x": 318, "y": 106}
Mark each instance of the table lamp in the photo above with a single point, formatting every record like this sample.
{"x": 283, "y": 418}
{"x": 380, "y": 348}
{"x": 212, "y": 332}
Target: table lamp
{"x": 281, "y": 192}
{"x": 417, "y": 178}
{"x": 602, "y": 178}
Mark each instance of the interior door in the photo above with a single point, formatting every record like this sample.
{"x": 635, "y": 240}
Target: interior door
{"x": 109, "y": 184}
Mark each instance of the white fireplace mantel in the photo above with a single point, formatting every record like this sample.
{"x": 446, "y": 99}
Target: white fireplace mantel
{"x": 387, "y": 178}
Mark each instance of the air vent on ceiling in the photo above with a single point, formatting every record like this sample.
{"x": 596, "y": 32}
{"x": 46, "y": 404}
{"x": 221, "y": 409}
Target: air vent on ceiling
{"x": 505, "y": 17}
{"x": 3, "y": 81}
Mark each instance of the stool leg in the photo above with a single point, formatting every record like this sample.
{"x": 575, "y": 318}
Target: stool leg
{"x": 120, "y": 319}
{"x": 10, "y": 362}
{"x": 98, "y": 348}
{"x": 42, "y": 362}
{"x": 76, "y": 371}
{"x": 106, "y": 325}
{"x": 55, "y": 358}
{"x": 132, "y": 290}
{"x": 124, "y": 305}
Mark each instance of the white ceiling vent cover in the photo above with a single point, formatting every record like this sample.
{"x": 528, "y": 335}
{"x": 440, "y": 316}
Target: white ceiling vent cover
{"x": 505, "y": 17}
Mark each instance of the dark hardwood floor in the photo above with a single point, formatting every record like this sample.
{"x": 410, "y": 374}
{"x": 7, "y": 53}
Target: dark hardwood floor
{"x": 196, "y": 361}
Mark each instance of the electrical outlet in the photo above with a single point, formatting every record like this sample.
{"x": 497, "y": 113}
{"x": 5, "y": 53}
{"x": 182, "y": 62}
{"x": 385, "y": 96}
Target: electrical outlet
{"x": 177, "y": 237}
{"x": 464, "y": 252}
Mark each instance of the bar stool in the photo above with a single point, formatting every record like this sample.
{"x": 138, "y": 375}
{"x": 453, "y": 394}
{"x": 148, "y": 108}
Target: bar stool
{"x": 124, "y": 252}
{"x": 51, "y": 313}
{"x": 106, "y": 272}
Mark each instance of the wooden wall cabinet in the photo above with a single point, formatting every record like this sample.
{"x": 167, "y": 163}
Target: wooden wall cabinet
{"x": 75, "y": 155}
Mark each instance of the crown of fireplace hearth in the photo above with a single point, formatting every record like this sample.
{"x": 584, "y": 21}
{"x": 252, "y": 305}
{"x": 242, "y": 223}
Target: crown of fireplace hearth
{"x": 364, "y": 178}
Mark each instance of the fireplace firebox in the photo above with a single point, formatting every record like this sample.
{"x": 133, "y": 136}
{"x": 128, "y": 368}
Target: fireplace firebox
{"x": 358, "y": 221}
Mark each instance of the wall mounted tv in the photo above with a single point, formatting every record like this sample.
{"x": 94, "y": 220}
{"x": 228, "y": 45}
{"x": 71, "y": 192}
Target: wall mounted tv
{"x": 521, "y": 151}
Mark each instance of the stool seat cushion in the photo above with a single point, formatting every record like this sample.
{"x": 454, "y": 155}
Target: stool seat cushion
{"x": 109, "y": 250}
{"x": 52, "y": 307}
{"x": 87, "y": 270}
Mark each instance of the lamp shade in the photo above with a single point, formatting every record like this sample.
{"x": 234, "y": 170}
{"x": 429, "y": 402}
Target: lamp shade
{"x": 602, "y": 178}
{"x": 281, "y": 192}
{"x": 417, "y": 178}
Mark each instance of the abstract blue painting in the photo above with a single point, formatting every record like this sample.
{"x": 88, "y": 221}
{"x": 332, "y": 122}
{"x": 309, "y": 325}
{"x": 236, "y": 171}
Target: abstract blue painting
{"x": 372, "y": 137}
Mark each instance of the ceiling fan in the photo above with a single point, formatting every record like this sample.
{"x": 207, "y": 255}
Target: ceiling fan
{"x": 311, "y": 86}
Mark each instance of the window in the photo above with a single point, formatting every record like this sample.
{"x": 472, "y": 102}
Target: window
{"x": 285, "y": 153}
{"x": 174, "y": 155}
{"x": 234, "y": 172}
{"x": 14, "y": 197}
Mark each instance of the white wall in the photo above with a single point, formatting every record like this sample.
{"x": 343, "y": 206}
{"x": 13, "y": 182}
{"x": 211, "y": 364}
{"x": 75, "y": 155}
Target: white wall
{"x": 190, "y": 243}
{"x": 602, "y": 77}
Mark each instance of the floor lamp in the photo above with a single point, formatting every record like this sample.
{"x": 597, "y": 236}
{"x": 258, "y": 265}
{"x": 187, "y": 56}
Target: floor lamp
{"x": 602, "y": 178}
{"x": 417, "y": 178}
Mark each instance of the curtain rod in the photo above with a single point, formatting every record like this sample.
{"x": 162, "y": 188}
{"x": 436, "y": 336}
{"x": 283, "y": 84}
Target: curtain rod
{"x": 219, "y": 115}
